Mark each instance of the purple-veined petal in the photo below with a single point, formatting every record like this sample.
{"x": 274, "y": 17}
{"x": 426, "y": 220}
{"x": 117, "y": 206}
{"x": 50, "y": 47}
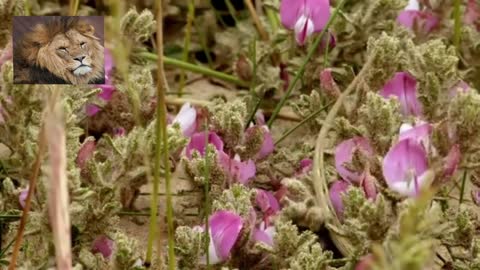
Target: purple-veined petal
{"x": 420, "y": 134}
{"x": 344, "y": 154}
{"x": 119, "y": 132}
{"x": 23, "y": 196}
{"x": 197, "y": 142}
{"x": 267, "y": 202}
{"x": 404, "y": 87}
{"x": 104, "y": 246}
{"x": 186, "y": 117}
{"x": 335, "y": 192}
{"x": 225, "y": 228}
{"x": 304, "y": 17}
{"x": 240, "y": 171}
{"x": 404, "y": 167}
{"x": 259, "y": 118}
{"x": 303, "y": 29}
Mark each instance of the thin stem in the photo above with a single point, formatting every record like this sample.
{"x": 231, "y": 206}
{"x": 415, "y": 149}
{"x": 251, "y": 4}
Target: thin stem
{"x": 307, "y": 119}
{"x": 252, "y": 85}
{"x": 74, "y": 7}
{"x": 318, "y": 172}
{"x": 462, "y": 189}
{"x": 203, "y": 43}
{"x": 195, "y": 68}
{"x": 458, "y": 23}
{"x": 299, "y": 74}
{"x": 31, "y": 191}
{"x": 273, "y": 18}
{"x": 231, "y": 10}
{"x": 162, "y": 88}
{"x": 325, "y": 56}
{"x": 186, "y": 43}
{"x": 256, "y": 20}
{"x": 207, "y": 198}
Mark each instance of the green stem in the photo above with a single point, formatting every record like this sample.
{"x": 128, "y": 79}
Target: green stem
{"x": 10, "y": 217}
{"x": 186, "y": 43}
{"x": 74, "y": 7}
{"x": 272, "y": 18}
{"x": 462, "y": 189}
{"x": 207, "y": 198}
{"x": 195, "y": 68}
{"x": 310, "y": 54}
{"x": 258, "y": 100}
{"x": 458, "y": 23}
{"x": 232, "y": 11}
{"x": 307, "y": 119}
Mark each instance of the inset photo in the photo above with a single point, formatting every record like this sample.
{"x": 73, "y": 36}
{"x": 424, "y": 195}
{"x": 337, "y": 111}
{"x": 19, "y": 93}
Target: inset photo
{"x": 58, "y": 50}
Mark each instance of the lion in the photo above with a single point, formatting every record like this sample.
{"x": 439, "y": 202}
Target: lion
{"x": 61, "y": 51}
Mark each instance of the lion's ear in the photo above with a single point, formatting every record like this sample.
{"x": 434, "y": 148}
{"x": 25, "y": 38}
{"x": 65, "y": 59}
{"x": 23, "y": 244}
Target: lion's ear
{"x": 86, "y": 28}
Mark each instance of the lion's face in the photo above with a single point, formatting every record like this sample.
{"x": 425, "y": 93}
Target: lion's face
{"x": 74, "y": 55}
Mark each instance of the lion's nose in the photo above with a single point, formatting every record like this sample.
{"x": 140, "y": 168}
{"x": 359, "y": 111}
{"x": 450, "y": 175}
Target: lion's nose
{"x": 79, "y": 58}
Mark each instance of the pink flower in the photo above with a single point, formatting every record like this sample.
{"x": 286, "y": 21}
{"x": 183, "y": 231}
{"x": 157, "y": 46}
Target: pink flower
{"x": 104, "y": 246}
{"x": 107, "y": 89}
{"x": 239, "y": 171}
{"x": 405, "y": 167}
{"x": 267, "y": 202}
{"x": 472, "y": 14}
{"x": 476, "y": 197}
{"x": 186, "y": 117}
{"x": 92, "y": 109}
{"x": 404, "y": 87}
{"x": 304, "y": 17}
{"x": 260, "y": 118}
{"x": 22, "y": 197}
{"x": 264, "y": 234}
{"x": 336, "y": 190}
{"x": 420, "y": 134}
{"x": 365, "y": 263}
{"x": 451, "y": 161}
{"x": 328, "y": 84}
{"x": 344, "y": 154}
{"x": 305, "y": 167}
{"x": 267, "y": 146}
{"x": 224, "y": 231}
{"x": 85, "y": 153}
{"x": 197, "y": 142}
{"x": 412, "y": 17}
{"x": 460, "y": 87}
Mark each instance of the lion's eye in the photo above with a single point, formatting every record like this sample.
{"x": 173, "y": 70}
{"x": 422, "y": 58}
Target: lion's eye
{"x": 63, "y": 49}
{"x": 82, "y": 44}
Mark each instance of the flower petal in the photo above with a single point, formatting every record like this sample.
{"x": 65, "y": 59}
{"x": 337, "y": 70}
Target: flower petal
{"x": 197, "y": 142}
{"x": 290, "y": 10}
{"x": 22, "y": 197}
{"x": 420, "y": 134}
{"x": 404, "y": 166}
{"x": 319, "y": 12}
{"x": 186, "y": 117}
{"x": 107, "y": 91}
{"x": 240, "y": 171}
{"x": 404, "y": 87}
{"x": 267, "y": 145}
{"x": 335, "y": 192}
{"x": 452, "y": 160}
{"x": 85, "y": 152}
{"x": 92, "y": 109}
{"x": 225, "y": 229}
{"x": 303, "y": 29}
{"x": 104, "y": 246}
{"x": 264, "y": 235}
{"x": 267, "y": 202}
{"x": 344, "y": 154}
